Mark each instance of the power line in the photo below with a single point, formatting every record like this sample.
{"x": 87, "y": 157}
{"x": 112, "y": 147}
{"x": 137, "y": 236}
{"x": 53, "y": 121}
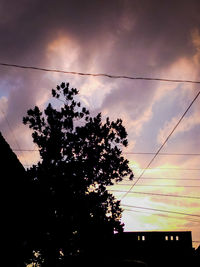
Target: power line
{"x": 98, "y": 74}
{"x": 132, "y": 153}
{"x": 162, "y": 154}
{"x": 177, "y": 179}
{"x": 164, "y": 185}
{"x": 151, "y": 161}
{"x": 153, "y": 194}
{"x": 167, "y": 211}
{"x": 163, "y": 215}
{"x": 174, "y": 169}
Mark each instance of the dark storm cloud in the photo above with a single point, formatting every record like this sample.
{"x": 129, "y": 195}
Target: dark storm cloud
{"x": 160, "y": 34}
{"x": 27, "y": 26}
{"x": 120, "y": 37}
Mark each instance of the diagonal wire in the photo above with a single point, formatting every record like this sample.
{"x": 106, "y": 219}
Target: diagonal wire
{"x": 151, "y": 161}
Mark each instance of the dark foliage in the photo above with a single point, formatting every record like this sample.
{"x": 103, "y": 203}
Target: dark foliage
{"x": 75, "y": 216}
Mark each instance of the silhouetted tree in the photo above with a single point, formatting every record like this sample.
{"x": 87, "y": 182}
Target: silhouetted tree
{"x": 80, "y": 157}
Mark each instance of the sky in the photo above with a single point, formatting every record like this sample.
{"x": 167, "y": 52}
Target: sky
{"x": 136, "y": 38}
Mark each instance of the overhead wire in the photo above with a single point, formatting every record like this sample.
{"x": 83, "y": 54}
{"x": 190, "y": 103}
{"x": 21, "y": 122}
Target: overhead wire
{"x": 131, "y": 153}
{"x": 154, "y": 194}
{"x": 167, "y": 178}
{"x": 174, "y": 169}
{"x": 162, "y": 154}
{"x": 164, "y": 185}
{"x": 161, "y": 210}
{"x": 98, "y": 74}
{"x": 163, "y": 144}
{"x": 163, "y": 215}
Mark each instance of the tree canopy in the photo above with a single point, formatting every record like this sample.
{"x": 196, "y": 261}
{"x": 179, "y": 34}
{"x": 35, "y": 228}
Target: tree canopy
{"x": 81, "y": 155}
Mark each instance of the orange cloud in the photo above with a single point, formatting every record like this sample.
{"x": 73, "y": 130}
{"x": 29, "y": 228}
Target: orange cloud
{"x": 62, "y": 53}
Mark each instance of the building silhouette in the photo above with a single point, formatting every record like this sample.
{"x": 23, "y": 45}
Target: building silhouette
{"x": 157, "y": 248}
{"x": 16, "y": 206}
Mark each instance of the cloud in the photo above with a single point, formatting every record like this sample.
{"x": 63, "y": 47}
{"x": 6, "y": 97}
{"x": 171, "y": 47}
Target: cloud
{"x": 196, "y": 43}
{"x": 135, "y": 38}
{"x": 187, "y": 124}
{"x": 3, "y": 107}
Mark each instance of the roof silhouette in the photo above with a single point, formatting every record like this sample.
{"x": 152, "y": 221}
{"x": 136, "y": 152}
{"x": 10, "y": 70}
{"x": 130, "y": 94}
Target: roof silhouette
{"x": 16, "y": 204}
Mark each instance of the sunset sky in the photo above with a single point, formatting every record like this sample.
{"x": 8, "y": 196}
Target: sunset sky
{"x": 135, "y": 38}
